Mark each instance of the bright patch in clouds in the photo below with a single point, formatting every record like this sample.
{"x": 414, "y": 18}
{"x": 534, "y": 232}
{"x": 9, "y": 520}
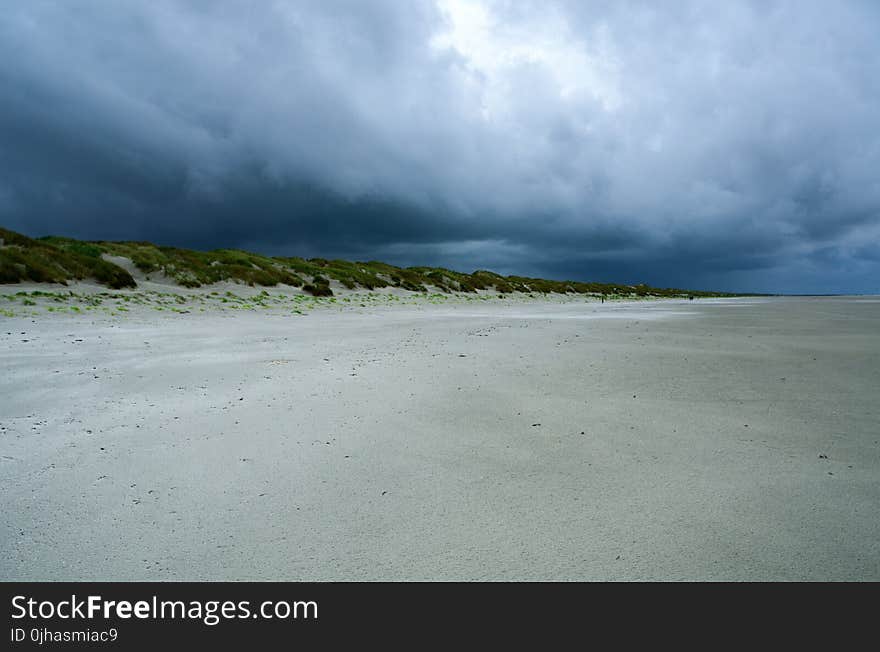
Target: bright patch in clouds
{"x": 494, "y": 50}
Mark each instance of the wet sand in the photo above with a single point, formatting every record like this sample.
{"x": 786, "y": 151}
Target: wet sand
{"x": 705, "y": 440}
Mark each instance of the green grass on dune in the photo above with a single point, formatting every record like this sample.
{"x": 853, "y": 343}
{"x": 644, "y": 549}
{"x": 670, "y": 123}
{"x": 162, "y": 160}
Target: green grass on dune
{"x": 59, "y": 260}
{"x": 25, "y": 259}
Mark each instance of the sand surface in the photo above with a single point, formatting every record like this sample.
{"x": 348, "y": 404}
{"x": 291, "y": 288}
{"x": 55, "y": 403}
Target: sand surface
{"x": 705, "y": 440}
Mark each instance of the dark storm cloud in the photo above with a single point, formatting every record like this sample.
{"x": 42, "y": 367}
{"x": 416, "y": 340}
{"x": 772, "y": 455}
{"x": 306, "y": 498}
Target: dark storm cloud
{"x": 728, "y": 146}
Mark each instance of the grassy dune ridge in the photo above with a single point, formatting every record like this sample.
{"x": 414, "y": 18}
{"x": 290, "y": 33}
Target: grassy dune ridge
{"x": 60, "y": 260}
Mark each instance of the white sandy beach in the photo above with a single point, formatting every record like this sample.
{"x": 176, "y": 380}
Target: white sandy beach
{"x": 485, "y": 440}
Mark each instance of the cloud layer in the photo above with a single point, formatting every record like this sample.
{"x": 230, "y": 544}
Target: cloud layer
{"x": 731, "y": 146}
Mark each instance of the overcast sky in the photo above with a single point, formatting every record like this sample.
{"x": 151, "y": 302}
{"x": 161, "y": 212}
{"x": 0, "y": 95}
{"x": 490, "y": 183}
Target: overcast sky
{"x": 720, "y": 145}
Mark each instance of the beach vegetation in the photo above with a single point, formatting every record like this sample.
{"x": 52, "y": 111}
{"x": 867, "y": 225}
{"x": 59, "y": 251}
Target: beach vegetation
{"x": 61, "y": 260}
